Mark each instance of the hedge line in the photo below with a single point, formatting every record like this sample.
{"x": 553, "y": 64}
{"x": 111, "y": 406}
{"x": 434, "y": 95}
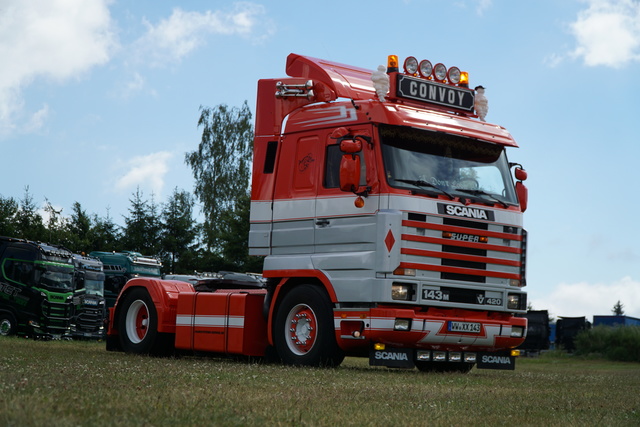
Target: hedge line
{"x": 614, "y": 343}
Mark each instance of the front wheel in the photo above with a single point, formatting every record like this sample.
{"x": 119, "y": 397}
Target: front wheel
{"x": 8, "y": 324}
{"x": 304, "y": 333}
{"x": 138, "y": 325}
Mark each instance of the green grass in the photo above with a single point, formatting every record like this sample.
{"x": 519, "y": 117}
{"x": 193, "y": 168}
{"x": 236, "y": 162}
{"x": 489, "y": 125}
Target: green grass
{"x": 80, "y": 384}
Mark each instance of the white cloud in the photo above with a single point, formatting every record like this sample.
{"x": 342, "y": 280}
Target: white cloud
{"x": 55, "y": 39}
{"x": 177, "y": 36}
{"x": 608, "y": 33}
{"x": 589, "y": 299}
{"x": 147, "y": 172}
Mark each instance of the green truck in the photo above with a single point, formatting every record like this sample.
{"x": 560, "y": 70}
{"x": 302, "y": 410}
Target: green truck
{"x": 119, "y": 267}
{"x": 89, "y": 307}
{"x": 36, "y": 289}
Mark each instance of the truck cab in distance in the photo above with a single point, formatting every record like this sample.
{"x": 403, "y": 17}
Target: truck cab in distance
{"x": 89, "y": 306}
{"x": 36, "y": 289}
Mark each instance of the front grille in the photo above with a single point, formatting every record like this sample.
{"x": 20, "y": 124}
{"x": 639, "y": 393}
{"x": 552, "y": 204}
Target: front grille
{"x": 461, "y": 250}
{"x": 57, "y": 316}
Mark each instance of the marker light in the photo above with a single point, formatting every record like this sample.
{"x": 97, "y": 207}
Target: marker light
{"x": 411, "y": 65}
{"x": 453, "y": 75}
{"x": 439, "y": 72}
{"x": 379, "y": 346}
{"x": 464, "y": 79}
{"x": 425, "y": 69}
{"x": 392, "y": 64}
{"x": 423, "y": 355}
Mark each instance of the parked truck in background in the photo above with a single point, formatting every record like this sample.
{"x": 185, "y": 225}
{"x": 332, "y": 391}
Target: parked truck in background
{"x": 89, "y": 306}
{"x": 119, "y": 267}
{"x": 389, "y": 222}
{"x": 36, "y": 289}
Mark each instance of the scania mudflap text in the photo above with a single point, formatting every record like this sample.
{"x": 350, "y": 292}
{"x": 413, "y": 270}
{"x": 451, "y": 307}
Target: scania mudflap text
{"x": 36, "y": 289}
{"x": 390, "y": 224}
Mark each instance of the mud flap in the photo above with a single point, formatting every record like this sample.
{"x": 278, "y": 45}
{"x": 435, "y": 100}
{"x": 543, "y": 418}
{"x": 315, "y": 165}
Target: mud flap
{"x": 392, "y": 358}
{"x": 498, "y": 360}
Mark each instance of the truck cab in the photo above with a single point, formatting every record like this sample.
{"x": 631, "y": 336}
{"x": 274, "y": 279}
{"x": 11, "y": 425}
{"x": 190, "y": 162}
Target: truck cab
{"x": 89, "y": 304}
{"x": 36, "y": 289}
{"x": 390, "y": 220}
{"x": 119, "y": 267}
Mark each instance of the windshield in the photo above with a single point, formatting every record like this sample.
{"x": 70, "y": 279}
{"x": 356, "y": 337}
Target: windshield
{"x": 50, "y": 275}
{"x": 94, "y": 287}
{"x": 438, "y": 163}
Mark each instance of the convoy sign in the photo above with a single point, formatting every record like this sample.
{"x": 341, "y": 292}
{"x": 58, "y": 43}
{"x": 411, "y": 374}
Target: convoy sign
{"x": 436, "y": 93}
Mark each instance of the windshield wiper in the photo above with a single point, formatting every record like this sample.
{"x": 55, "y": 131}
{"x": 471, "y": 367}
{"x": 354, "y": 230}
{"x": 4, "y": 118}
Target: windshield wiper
{"x": 484, "y": 193}
{"x": 422, "y": 184}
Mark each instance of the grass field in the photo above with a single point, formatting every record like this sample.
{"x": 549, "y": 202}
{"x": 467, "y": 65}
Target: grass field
{"x": 61, "y": 383}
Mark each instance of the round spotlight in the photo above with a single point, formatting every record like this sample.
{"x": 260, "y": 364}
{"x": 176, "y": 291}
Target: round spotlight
{"x": 439, "y": 72}
{"x": 453, "y": 75}
{"x": 425, "y": 69}
{"x": 411, "y": 65}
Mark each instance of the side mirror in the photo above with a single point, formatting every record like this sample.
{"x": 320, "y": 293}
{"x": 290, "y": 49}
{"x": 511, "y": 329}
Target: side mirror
{"x": 521, "y": 174}
{"x": 350, "y": 172}
{"x": 522, "y": 192}
{"x": 350, "y": 146}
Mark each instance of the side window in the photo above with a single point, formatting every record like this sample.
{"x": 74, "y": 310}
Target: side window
{"x": 332, "y": 167}
{"x": 18, "y": 271}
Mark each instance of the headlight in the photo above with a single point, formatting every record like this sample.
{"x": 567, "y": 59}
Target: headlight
{"x": 440, "y": 72}
{"x": 453, "y": 75}
{"x": 411, "y": 65}
{"x": 402, "y": 291}
{"x": 402, "y": 325}
{"x": 513, "y": 301}
{"x": 425, "y": 68}
{"x": 517, "y": 332}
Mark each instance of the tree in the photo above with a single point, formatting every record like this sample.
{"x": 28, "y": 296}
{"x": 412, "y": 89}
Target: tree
{"x": 234, "y": 232}
{"x": 221, "y": 165}
{"x": 140, "y": 230}
{"x": 79, "y": 227}
{"x": 618, "y": 309}
{"x": 28, "y": 221}
{"x": 8, "y": 213}
{"x": 56, "y": 224}
{"x": 105, "y": 235}
{"x": 179, "y": 231}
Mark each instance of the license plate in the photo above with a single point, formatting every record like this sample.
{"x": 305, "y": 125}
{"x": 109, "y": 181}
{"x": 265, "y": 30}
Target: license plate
{"x": 464, "y": 327}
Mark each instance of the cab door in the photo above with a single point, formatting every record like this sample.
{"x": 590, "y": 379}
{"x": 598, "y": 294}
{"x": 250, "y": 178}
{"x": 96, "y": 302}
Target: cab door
{"x": 341, "y": 224}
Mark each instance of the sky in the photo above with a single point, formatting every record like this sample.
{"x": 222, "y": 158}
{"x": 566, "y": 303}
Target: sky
{"x": 99, "y": 98}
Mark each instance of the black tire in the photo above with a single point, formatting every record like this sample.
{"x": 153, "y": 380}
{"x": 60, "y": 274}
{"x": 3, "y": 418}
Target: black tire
{"x": 460, "y": 367}
{"x": 138, "y": 325}
{"x": 8, "y": 324}
{"x": 303, "y": 333}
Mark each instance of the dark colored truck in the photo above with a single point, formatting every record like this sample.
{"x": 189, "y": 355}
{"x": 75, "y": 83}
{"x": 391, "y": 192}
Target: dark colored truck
{"x": 36, "y": 289}
{"x": 89, "y": 314}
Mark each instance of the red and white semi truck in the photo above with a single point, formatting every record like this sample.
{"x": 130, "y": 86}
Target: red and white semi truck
{"x": 389, "y": 221}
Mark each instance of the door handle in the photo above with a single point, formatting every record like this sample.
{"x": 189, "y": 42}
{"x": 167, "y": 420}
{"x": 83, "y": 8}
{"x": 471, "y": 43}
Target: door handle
{"x": 322, "y": 222}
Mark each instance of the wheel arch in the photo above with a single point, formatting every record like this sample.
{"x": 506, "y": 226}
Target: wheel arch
{"x": 286, "y": 283}
{"x": 163, "y": 293}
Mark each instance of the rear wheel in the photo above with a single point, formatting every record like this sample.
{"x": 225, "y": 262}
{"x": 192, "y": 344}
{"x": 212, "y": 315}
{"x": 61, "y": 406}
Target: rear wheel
{"x": 8, "y": 324}
{"x": 304, "y": 333}
{"x": 138, "y": 325}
